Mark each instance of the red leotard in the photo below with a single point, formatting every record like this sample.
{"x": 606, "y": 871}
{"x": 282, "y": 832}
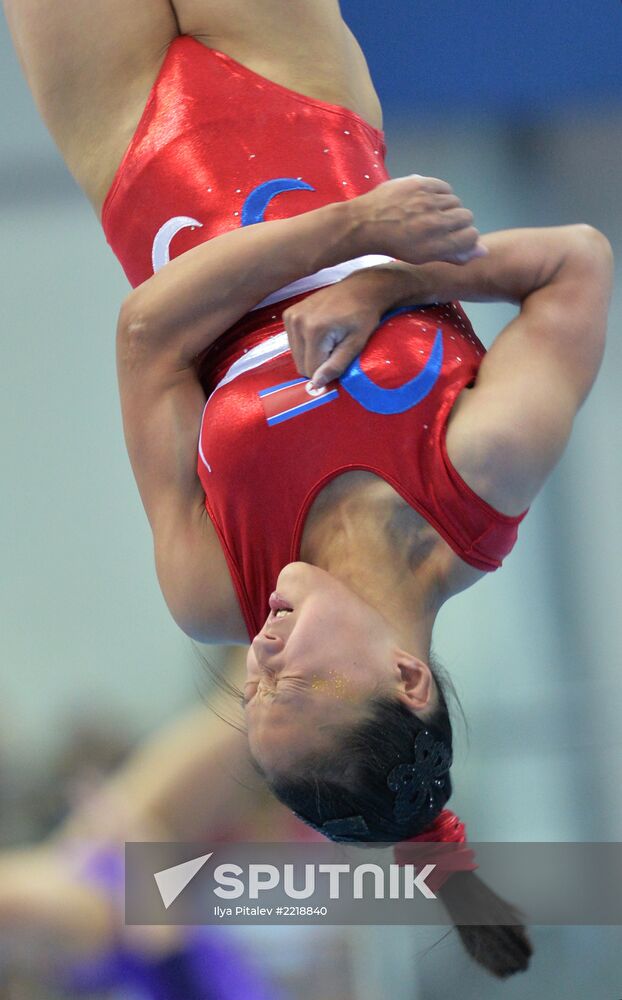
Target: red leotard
{"x": 211, "y": 139}
{"x": 219, "y": 146}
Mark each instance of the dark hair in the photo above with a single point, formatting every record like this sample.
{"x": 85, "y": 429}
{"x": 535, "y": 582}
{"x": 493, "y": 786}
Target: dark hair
{"x": 350, "y": 795}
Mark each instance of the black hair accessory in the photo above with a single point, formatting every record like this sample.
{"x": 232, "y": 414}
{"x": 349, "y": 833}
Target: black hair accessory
{"x": 414, "y": 782}
{"x": 349, "y": 830}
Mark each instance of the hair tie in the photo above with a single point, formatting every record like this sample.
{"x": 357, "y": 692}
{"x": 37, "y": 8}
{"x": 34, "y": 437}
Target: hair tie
{"x": 445, "y": 829}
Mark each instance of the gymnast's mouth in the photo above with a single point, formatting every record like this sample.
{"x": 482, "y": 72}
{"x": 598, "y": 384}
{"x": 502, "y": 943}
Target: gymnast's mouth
{"x": 278, "y": 603}
{"x": 279, "y": 607}
{"x": 276, "y": 616}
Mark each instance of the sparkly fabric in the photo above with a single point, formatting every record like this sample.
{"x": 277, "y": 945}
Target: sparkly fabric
{"x": 268, "y": 447}
{"x": 214, "y": 148}
{"x": 219, "y": 145}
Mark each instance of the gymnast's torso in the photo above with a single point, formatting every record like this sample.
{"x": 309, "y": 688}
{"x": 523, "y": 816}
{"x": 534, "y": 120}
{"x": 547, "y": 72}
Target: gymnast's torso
{"x": 217, "y": 147}
{"x": 347, "y": 86}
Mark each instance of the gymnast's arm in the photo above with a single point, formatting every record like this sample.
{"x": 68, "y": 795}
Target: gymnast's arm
{"x": 515, "y": 423}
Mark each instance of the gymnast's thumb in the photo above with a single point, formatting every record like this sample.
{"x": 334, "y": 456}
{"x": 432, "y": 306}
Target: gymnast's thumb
{"x": 341, "y": 358}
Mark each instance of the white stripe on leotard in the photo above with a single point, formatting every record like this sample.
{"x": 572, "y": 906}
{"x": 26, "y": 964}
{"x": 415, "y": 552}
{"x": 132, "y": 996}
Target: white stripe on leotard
{"x": 278, "y": 342}
{"x": 258, "y": 355}
{"x": 327, "y": 276}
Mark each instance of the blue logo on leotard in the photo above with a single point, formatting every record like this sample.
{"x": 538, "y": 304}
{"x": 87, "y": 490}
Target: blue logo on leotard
{"x": 255, "y": 206}
{"x": 375, "y": 399}
{"x": 359, "y": 386}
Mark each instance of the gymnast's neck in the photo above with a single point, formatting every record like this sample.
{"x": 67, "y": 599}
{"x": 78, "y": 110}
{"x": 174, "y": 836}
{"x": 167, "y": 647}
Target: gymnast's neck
{"x": 404, "y": 576}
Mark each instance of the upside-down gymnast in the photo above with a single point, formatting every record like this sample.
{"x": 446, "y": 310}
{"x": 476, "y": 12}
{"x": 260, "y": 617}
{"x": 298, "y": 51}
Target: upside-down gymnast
{"x": 356, "y": 469}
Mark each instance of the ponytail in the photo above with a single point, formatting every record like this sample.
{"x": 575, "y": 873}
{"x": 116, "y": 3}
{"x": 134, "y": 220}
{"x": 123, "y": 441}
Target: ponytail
{"x": 503, "y": 947}
{"x": 499, "y": 944}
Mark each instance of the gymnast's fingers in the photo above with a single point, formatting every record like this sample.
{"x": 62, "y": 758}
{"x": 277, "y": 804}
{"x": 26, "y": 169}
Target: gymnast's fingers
{"x": 444, "y": 202}
{"x": 459, "y": 218}
{"x": 463, "y": 246}
{"x": 340, "y": 358}
{"x": 433, "y": 185}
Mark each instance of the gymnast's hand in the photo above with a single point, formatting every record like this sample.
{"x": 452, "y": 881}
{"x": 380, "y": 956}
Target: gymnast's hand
{"x": 418, "y": 220}
{"x": 329, "y": 328}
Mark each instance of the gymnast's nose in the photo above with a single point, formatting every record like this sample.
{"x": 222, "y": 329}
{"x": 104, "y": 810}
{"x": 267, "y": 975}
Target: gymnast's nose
{"x": 266, "y": 645}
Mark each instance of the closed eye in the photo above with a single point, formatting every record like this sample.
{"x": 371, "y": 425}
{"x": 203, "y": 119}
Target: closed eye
{"x": 248, "y": 694}
{"x": 288, "y": 690}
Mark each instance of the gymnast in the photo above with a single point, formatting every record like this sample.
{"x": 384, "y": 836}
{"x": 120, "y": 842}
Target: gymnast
{"x": 361, "y": 458}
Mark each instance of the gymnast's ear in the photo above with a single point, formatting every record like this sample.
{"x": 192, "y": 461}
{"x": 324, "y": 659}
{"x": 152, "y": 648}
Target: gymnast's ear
{"x": 416, "y": 686}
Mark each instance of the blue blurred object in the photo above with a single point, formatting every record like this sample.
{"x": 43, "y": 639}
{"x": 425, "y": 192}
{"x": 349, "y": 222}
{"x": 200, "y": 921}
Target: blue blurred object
{"x": 491, "y": 56}
{"x": 206, "y": 965}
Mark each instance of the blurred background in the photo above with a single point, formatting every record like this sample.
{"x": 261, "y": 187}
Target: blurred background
{"x": 519, "y": 107}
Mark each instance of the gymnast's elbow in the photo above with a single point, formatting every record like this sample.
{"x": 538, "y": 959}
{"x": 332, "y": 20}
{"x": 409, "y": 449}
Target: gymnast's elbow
{"x": 592, "y": 248}
{"x": 182, "y": 611}
{"x": 585, "y": 277}
{"x": 185, "y": 586}
{"x": 148, "y": 336}
{"x": 140, "y": 339}
{"x": 191, "y": 624}
{"x": 133, "y": 335}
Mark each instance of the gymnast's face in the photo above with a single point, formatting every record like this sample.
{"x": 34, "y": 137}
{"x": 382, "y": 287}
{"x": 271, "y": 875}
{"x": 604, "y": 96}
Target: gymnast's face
{"x": 317, "y": 667}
